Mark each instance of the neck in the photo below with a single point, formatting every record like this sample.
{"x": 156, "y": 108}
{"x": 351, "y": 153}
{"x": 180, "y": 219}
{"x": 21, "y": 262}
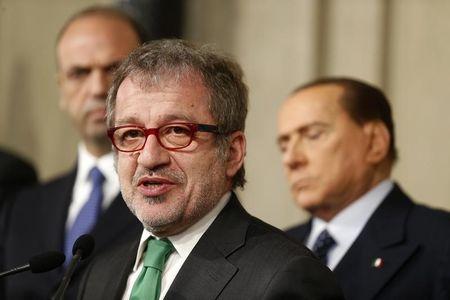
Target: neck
{"x": 98, "y": 149}
{"x": 381, "y": 173}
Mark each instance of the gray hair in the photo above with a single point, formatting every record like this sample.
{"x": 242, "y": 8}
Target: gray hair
{"x": 179, "y": 59}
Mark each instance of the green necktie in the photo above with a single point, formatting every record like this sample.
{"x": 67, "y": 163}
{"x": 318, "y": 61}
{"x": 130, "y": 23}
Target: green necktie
{"x": 148, "y": 284}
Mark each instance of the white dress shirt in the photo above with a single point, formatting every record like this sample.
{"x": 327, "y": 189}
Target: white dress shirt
{"x": 83, "y": 185}
{"x": 183, "y": 244}
{"x": 348, "y": 224}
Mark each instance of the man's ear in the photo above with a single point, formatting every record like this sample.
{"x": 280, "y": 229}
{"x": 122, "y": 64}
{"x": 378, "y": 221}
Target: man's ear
{"x": 379, "y": 141}
{"x": 236, "y": 154}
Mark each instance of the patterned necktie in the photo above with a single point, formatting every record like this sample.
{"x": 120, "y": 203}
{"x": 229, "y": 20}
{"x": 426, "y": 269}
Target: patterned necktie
{"x": 148, "y": 284}
{"x": 323, "y": 245}
{"x": 87, "y": 217}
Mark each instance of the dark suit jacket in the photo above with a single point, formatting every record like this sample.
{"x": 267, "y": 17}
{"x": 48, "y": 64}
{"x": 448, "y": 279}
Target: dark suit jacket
{"x": 238, "y": 257}
{"x": 414, "y": 243}
{"x": 15, "y": 173}
{"x": 37, "y": 224}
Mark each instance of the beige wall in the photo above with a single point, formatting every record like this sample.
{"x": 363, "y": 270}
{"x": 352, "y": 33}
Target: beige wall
{"x": 30, "y": 121}
{"x": 401, "y": 45}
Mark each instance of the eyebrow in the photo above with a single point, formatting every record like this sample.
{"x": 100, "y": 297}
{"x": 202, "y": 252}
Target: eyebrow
{"x": 166, "y": 119}
{"x": 301, "y": 129}
{"x": 88, "y": 66}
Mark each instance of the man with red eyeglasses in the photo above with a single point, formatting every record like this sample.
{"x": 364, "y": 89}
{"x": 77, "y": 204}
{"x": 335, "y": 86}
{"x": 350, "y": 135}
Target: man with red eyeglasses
{"x": 176, "y": 114}
{"x": 51, "y": 217}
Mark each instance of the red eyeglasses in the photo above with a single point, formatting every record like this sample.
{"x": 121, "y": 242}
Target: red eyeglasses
{"x": 173, "y": 136}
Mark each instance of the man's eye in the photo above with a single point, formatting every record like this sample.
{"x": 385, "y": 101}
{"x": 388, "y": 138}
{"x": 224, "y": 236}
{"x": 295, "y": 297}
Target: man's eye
{"x": 78, "y": 73}
{"x": 314, "y": 134}
{"x": 177, "y": 130}
{"x": 112, "y": 68}
{"x": 283, "y": 144}
{"x": 132, "y": 134}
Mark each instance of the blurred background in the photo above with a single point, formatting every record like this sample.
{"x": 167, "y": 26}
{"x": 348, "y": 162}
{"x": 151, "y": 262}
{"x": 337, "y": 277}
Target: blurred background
{"x": 402, "y": 46}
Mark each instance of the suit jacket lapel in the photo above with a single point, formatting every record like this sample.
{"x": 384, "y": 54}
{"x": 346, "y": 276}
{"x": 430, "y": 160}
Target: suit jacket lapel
{"x": 207, "y": 271}
{"x": 302, "y": 232}
{"x": 56, "y": 201}
{"x": 117, "y": 284}
{"x": 383, "y": 237}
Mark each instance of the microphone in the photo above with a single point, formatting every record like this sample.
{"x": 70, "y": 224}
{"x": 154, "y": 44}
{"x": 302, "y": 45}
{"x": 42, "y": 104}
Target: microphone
{"x": 40, "y": 263}
{"x": 82, "y": 248}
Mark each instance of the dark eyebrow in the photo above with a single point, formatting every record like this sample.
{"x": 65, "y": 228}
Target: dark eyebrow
{"x": 78, "y": 68}
{"x": 82, "y": 66}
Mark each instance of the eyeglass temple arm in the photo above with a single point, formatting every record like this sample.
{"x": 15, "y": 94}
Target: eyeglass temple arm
{"x": 207, "y": 128}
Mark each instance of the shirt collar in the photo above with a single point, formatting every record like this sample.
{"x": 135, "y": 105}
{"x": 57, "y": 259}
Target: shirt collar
{"x": 347, "y": 224}
{"x": 86, "y": 161}
{"x": 185, "y": 241}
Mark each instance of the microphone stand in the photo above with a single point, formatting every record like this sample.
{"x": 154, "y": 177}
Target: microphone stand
{"x": 59, "y": 295}
{"x": 15, "y": 270}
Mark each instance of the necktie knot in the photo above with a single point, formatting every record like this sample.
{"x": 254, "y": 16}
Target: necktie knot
{"x": 96, "y": 176}
{"x": 323, "y": 245}
{"x": 157, "y": 253}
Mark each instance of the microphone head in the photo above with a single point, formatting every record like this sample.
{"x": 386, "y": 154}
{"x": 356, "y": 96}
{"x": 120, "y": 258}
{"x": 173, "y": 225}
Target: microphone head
{"x": 46, "y": 261}
{"x": 84, "y": 245}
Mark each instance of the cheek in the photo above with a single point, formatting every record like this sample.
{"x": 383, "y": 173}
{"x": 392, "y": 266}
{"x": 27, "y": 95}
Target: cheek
{"x": 198, "y": 169}
{"x": 343, "y": 163}
{"x": 73, "y": 98}
{"x": 126, "y": 166}
{"x": 329, "y": 161}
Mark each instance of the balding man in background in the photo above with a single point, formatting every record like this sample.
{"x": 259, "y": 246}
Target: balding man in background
{"x": 85, "y": 200}
{"x": 338, "y": 146}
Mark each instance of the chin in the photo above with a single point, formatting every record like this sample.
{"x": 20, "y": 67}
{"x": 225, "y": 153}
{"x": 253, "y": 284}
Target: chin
{"x": 308, "y": 202}
{"x": 158, "y": 212}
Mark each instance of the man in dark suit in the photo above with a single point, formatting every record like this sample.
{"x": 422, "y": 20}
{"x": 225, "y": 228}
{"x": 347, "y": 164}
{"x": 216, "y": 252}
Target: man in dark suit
{"x": 338, "y": 146}
{"x": 176, "y": 114}
{"x": 86, "y": 199}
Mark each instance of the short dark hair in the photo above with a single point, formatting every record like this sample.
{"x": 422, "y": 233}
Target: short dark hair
{"x": 363, "y": 102}
{"x": 179, "y": 59}
{"x": 106, "y": 11}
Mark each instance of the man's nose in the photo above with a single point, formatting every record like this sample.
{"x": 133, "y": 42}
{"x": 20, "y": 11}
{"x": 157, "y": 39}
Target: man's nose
{"x": 153, "y": 155}
{"x": 99, "y": 83}
{"x": 294, "y": 155}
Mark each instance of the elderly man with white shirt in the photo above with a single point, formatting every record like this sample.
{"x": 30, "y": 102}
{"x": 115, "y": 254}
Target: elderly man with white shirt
{"x": 337, "y": 141}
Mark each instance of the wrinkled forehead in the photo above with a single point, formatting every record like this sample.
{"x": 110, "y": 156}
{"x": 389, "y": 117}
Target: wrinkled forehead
{"x": 167, "y": 100}
{"x": 135, "y": 86}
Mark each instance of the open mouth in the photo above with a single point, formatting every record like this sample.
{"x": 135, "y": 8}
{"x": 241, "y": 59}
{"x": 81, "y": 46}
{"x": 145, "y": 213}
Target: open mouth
{"x": 154, "y": 186}
{"x": 149, "y": 183}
